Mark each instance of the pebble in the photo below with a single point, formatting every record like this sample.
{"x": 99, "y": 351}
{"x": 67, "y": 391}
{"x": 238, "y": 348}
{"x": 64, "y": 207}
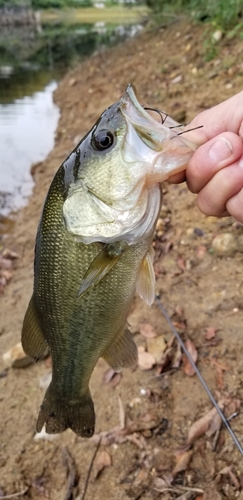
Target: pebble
{"x": 15, "y": 353}
{"x": 72, "y": 82}
{"x": 217, "y": 35}
{"x": 224, "y": 245}
{"x": 43, "y": 435}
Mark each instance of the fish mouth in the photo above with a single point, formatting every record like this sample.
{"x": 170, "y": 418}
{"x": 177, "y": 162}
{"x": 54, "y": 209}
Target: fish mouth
{"x": 137, "y": 116}
{"x": 157, "y": 145}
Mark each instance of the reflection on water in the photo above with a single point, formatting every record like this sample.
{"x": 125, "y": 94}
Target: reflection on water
{"x": 30, "y": 58}
{"x": 27, "y": 128}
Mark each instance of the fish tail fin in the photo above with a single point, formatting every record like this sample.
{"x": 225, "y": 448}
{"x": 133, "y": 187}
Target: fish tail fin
{"x": 60, "y": 413}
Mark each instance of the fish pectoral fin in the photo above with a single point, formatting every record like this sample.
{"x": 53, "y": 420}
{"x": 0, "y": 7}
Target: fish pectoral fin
{"x": 145, "y": 285}
{"x": 102, "y": 264}
{"x": 32, "y": 338}
{"x": 122, "y": 353}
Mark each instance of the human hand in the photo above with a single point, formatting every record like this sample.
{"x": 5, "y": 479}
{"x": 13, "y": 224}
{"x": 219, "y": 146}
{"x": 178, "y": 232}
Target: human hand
{"x": 215, "y": 171}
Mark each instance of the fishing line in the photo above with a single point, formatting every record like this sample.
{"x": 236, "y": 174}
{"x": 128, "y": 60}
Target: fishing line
{"x": 224, "y": 420}
{"x": 190, "y": 130}
{"x": 161, "y": 113}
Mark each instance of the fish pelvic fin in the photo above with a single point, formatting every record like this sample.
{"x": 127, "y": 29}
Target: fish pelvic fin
{"x": 122, "y": 353}
{"x": 58, "y": 414}
{"x": 145, "y": 285}
{"x": 32, "y": 338}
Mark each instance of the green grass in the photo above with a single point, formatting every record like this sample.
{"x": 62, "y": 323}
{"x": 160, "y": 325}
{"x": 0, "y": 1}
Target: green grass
{"x": 116, "y": 14}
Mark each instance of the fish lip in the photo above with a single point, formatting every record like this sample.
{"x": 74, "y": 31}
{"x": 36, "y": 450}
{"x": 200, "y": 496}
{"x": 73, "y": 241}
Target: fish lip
{"x": 130, "y": 97}
{"x": 144, "y": 124}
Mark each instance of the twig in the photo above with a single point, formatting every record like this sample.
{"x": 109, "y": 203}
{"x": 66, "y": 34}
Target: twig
{"x": 90, "y": 469}
{"x": 14, "y": 495}
{"x": 72, "y": 472}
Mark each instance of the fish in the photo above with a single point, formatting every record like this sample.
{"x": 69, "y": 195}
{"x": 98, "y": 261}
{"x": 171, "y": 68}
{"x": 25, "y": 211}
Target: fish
{"x": 94, "y": 251}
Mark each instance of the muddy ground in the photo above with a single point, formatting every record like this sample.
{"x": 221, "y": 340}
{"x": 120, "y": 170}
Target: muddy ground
{"x": 201, "y": 291}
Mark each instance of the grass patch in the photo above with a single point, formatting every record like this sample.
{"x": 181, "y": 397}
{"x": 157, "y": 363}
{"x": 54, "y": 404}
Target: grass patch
{"x": 116, "y": 14}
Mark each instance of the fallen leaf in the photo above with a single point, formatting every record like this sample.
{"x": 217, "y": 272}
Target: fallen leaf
{"x": 116, "y": 380}
{"x": 227, "y": 471}
{"x": 9, "y": 254}
{"x": 146, "y": 361}
{"x": 187, "y": 367}
{"x": 156, "y": 347}
{"x": 181, "y": 263}
{"x": 5, "y": 263}
{"x": 7, "y": 275}
{"x": 183, "y": 462}
{"x": 202, "y": 425}
{"x": 122, "y": 415}
{"x": 147, "y": 330}
{"x": 177, "y": 357}
{"x": 210, "y": 333}
{"x": 160, "y": 484}
{"x": 201, "y": 250}
{"x": 16, "y": 352}
{"x": 103, "y": 460}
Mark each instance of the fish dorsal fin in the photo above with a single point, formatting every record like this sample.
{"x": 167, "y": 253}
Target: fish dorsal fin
{"x": 122, "y": 353}
{"x": 102, "y": 264}
{"x": 32, "y": 337}
{"x": 145, "y": 285}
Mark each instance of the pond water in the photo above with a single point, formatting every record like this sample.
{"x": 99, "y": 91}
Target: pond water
{"x": 32, "y": 60}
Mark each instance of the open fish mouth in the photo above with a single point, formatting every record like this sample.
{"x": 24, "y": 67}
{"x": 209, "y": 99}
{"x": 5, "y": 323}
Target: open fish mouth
{"x": 156, "y": 142}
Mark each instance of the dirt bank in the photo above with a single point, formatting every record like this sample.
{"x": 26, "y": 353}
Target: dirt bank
{"x": 201, "y": 291}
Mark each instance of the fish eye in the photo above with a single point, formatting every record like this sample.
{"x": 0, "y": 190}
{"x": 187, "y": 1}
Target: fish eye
{"x": 102, "y": 140}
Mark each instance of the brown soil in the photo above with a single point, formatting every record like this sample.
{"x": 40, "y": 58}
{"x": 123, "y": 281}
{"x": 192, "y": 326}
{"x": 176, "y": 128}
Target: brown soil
{"x": 190, "y": 278}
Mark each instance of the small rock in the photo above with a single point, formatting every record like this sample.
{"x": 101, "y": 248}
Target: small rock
{"x": 156, "y": 346}
{"x": 72, "y": 82}
{"x": 77, "y": 139}
{"x": 43, "y": 435}
{"x": 191, "y": 233}
{"x": 15, "y": 353}
{"x": 224, "y": 244}
{"x": 146, "y": 361}
{"x": 217, "y": 35}
{"x": 177, "y": 79}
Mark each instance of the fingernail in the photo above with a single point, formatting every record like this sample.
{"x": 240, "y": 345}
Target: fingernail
{"x": 220, "y": 150}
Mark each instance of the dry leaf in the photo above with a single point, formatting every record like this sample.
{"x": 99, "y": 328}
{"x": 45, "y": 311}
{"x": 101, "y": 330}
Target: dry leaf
{"x": 187, "y": 367}
{"x": 9, "y": 254}
{"x": 227, "y": 471}
{"x": 7, "y": 275}
{"x": 182, "y": 462}
{"x": 159, "y": 484}
{"x": 156, "y": 347}
{"x": 202, "y": 425}
{"x": 5, "y": 263}
{"x": 122, "y": 415}
{"x": 201, "y": 250}
{"x": 146, "y": 361}
{"x": 177, "y": 357}
{"x": 181, "y": 263}
{"x": 147, "y": 330}
{"x": 210, "y": 333}
{"x": 103, "y": 460}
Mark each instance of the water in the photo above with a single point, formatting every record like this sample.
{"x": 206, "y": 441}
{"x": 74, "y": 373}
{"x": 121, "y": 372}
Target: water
{"x": 27, "y": 128}
{"x": 31, "y": 62}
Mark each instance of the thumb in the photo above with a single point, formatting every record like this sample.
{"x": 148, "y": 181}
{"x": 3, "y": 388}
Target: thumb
{"x": 208, "y": 159}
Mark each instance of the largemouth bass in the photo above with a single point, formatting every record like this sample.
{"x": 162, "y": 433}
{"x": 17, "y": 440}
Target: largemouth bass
{"x": 94, "y": 250}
